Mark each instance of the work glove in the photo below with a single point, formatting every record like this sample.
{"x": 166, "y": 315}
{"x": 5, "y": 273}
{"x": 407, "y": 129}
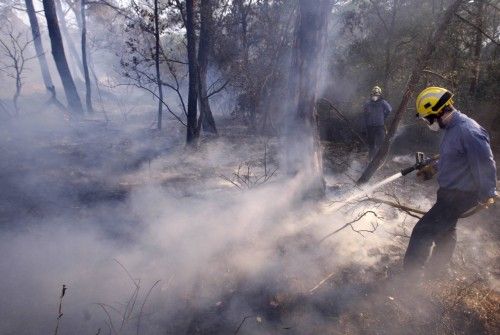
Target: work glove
{"x": 488, "y": 202}
{"x": 427, "y": 172}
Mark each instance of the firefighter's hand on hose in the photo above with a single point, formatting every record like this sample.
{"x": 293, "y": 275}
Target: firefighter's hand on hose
{"x": 427, "y": 172}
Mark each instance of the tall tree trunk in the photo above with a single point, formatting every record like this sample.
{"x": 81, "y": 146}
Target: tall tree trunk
{"x": 69, "y": 41}
{"x": 478, "y": 45}
{"x": 74, "y": 103}
{"x": 19, "y": 85}
{"x": 249, "y": 87}
{"x": 243, "y": 14}
{"x": 40, "y": 53}
{"x": 192, "y": 133}
{"x": 304, "y": 152}
{"x": 420, "y": 65}
{"x": 206, "y": 119}
{"x": 88, "y": 90}
{"x": 388, "y": 48}
{"x": 157, "y": 65}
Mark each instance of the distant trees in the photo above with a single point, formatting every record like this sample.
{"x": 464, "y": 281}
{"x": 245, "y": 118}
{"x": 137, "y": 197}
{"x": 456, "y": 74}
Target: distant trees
{"x": 175, "y": 61}
{"x": 148, "y": 63}
{"x": 14, "y": 54}
{"x": 74, "y": 102}
{"x": 184, "y": 52}
{"x": 252, "y": 48}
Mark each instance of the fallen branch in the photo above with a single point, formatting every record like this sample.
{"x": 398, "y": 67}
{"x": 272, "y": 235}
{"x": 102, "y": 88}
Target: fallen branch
{"x": 359, "y": 231}
{"x": 408, "y": 210}
{"x": 311, "y": 291}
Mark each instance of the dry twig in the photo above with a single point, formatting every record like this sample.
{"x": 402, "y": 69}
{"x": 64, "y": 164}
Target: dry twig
{"x": 374, "y": 226}
{"x": 60, "y": 313}
{"x": 242, "y": 322}
{"x": 245, "y": 176}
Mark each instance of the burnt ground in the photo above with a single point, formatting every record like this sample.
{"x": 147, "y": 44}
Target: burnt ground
{"x": 72, "y": 172}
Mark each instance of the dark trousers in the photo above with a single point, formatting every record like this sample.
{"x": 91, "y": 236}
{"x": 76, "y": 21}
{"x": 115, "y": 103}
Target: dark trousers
{"x": 437, "y": 226}
{"x": 375, "y": 138}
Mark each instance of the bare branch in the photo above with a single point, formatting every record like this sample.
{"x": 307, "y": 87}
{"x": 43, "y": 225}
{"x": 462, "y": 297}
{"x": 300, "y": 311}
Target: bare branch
{"x": 217, "y": 90}
{"x": 408, "y": 210}
{"x": 359, "y": 231}
{"x": 477, "y": 28}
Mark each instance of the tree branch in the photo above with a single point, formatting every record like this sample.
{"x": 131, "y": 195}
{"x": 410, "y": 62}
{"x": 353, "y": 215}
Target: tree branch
{"x": 477, "y": 28}
{"x": 359, "y": 231}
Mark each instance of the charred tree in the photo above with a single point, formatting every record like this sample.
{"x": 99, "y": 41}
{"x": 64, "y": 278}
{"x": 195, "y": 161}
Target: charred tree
{"x": 206, "y": 119}
{"x": 478, "y": 45}
{"x": 243, "y": 11}
{"x": 67, "y": 37}
{"x": 420, "y": 65}
{"x": 40, "y": 53}
{"x": 388, "y": 47}
{"x": 192, "y": 133}
{"x": 304, "y": 148}
{"x": 157, "y": 64}
{"x": 74, "y": 103}
{"x": 88, "y": 89}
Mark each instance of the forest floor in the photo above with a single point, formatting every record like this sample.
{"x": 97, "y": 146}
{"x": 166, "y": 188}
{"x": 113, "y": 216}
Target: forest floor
{"x": 237, "y": 250}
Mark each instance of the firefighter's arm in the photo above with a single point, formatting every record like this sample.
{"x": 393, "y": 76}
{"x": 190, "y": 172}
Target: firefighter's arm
{"x": 481, "y": 164}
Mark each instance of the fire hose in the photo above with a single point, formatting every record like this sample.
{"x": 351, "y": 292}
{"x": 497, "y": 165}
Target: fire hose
{"x": 420, "y": 163}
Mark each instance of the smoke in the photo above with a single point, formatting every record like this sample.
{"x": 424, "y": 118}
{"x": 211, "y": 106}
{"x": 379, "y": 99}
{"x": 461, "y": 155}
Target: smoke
{"x": 80, "y": 197}
{"x": 110, "y": 208}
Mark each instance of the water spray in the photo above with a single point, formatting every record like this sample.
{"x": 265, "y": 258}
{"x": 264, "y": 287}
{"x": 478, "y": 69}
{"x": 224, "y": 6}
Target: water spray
{"x": 420, "y": 162}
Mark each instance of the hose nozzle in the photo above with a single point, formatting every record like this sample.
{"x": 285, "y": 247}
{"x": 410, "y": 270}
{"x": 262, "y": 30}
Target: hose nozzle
{"x": 420, "y": 162}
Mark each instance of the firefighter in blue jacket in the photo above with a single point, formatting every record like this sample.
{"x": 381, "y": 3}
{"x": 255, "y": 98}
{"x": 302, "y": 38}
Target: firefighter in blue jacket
{"x": 466, "y": 177}
{"x": 376, "y": 111}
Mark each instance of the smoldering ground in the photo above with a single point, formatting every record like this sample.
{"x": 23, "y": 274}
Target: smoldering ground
{"x": 109, "y": 213}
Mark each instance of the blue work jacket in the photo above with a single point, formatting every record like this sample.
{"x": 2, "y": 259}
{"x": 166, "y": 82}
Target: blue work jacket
{"x": 376, "y": 112}
{"x": 466, "y": 161}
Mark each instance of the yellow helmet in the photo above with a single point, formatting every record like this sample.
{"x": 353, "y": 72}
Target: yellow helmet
{"x": 432, "y": 100}
{"x": 376, "y": 90}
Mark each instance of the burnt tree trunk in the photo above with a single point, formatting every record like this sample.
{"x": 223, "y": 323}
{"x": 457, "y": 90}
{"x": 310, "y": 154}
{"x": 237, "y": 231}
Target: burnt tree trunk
{"x": 19, "y": 85}
{"x": 192, "y": 133}
{"x": 242, "y": 17}
{"x": 304, "y": 152}
{"x": 40, "y": 53}
{"x": 420, "y": 65}
{"x": 388, "y": 48}
{"x": 157, "y": 65}
{"x": 74, "y": 103}
{"x": 478, "y": 45}
{"x": 88, "y": 89}
{"x": 66, "y": 36}
{"x": 206, "y": 119}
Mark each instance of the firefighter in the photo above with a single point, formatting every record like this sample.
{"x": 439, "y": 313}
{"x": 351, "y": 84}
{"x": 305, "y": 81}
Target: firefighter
{"x": 466, "y": 174}
{"x": 376, "y": 111}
